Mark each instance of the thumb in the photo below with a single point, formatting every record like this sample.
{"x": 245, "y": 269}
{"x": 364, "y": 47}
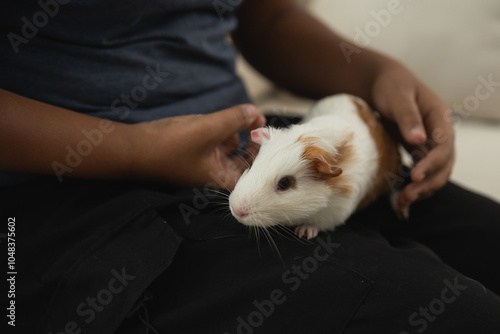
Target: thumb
{"x": 405, "y": 112}
{"x": 224, "y": 123}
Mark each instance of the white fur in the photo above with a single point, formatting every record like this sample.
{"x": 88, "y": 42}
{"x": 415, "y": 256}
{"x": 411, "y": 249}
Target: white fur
{"x": 312, "y": 203}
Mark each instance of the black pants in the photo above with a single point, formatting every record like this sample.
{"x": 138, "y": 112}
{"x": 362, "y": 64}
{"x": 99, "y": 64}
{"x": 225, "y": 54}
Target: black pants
{"x": 105, "y": 257}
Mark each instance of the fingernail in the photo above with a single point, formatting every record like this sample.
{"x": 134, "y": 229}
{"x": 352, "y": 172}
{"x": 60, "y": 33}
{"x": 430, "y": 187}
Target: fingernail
{"x": 418, "y": 133}
{"x": 405, "y": 212}
{"x": 422, "y": 177}
{"x": 250, "y": 111}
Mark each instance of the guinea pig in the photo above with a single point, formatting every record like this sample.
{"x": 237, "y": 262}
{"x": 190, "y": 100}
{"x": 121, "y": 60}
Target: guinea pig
{"x": 315, "y": 174}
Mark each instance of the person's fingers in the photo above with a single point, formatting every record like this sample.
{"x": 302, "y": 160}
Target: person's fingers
{"x": 440, "y": 158}
{"x": 223, "y": 170}
{"x": 252, "y": 148}
{"x": 424, "y": 129}
{"x": 425, "y": 188}
{"x": 259, "y": 122}
{"x": 438, "y": 150}
{"x": 222, "y": 129}
{"x": 434, "y": 159}
{"x": 403, "y": 109}
{"x": 441, "y": 143}
{"x": 231, "y": 143}
{"x": 251, "y": 151}
{"x": 221, "y": 124}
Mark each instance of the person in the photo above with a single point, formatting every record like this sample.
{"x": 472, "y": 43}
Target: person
{"x": 133, "y": 117}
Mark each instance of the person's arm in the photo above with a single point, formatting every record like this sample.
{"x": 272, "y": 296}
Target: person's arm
{"x": 296, "y": 51}
{"x": 187, "y": 150}
{"x": 40, "y": 138}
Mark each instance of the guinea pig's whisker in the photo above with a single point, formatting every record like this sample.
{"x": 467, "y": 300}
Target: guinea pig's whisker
{"x": 221, "y": 209}
{"x": 223, "y": 194}
{"x": 286, "y": 216}
{"x": 272, "y": 243}
{"x": 221, "y": 205}
{"x": 226, "y": 216}
{"x": 246, "y": 162}
{"x": 220, "y": 197}
{"x": 285, "y": 232}
{"x": 249, "y": 154}
{"x": 294, "y": 236}
{"x": 219, "y": 181}
{"x": 265, "y": 232}
{"x": 256, "y": 230}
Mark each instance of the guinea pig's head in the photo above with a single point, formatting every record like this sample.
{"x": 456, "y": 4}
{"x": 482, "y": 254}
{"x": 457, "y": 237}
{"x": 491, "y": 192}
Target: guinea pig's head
{"x": 290, "y": 180}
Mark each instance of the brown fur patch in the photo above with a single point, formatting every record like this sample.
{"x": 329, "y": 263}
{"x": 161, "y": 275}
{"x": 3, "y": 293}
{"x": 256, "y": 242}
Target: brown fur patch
{"x": 388, "y": 153}
{"x": 326, "y": 167}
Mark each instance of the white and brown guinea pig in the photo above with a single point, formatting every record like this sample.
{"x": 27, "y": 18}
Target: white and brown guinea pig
{"x": 315, "y": 174}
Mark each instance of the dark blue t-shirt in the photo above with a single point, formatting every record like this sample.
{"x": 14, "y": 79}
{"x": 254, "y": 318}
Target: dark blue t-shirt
{"x": 126, "y": 60}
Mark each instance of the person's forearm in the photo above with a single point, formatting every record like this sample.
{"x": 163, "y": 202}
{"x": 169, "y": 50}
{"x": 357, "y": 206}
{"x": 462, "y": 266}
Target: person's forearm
{"x": 298, "y": 52}
{"x": 40, "y": 138}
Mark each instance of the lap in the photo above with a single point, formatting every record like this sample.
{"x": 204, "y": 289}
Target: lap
{"x": 352, "y": 281}
{"x": 355, "y": 279}
{"x": 387, "y": 277}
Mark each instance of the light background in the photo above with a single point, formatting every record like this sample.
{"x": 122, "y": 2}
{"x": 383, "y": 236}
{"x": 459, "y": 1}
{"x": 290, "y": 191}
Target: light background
{"x": 449, "y": 44}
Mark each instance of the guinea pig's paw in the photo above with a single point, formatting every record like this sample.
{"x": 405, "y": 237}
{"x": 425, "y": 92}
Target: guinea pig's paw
{"x": 307, "y": 231}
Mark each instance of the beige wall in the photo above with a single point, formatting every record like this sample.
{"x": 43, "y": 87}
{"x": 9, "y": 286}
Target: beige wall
{"x": 453, "y": 46}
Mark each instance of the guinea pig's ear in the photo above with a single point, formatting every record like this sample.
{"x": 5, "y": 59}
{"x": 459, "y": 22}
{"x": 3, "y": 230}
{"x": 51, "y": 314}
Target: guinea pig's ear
{"x": 326, "y": 168}
{"x": 321, "y": 162}
{"x": 260, "y": 134}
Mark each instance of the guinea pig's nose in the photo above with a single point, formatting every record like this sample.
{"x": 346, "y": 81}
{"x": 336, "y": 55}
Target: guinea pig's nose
{"x": 240, "y": 213}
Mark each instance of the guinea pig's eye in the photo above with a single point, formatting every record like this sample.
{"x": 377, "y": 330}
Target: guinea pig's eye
{"x": 286, "y": 182}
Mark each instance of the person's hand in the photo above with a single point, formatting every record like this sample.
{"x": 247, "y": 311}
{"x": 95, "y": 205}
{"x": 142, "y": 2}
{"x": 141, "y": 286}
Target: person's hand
{"x": 194, "y": 150}
{"x": 424, "y": 124}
